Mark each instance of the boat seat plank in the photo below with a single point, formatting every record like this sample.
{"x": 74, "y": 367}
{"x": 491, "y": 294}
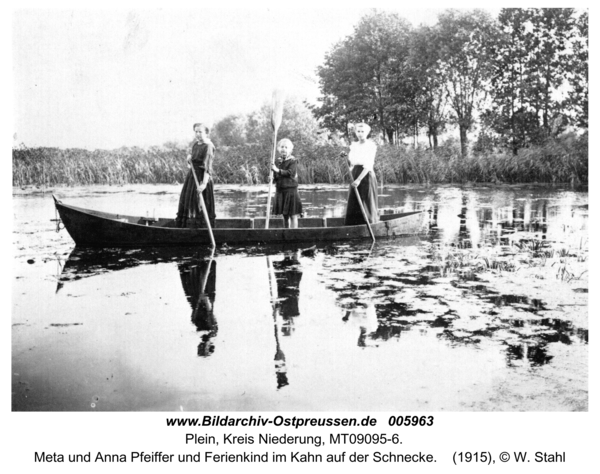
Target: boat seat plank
{"x": 240, "y": 223}
{"x": 312, "y": 222}
{"x": 335, "y": 221}
{"x": 274, "y": 223}
{"x": 164, "y": 222}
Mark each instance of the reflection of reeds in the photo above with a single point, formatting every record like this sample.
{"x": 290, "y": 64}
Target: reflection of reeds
{"x": 564, "y": 161}
{"x": 465, "y": 264}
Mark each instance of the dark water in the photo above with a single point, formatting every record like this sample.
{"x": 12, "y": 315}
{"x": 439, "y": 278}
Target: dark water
{"x": 486, "y": 312}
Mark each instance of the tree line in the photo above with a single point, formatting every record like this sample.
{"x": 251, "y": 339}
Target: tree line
{"x": 518, "y": 80}
{"x": 523, "y": 76}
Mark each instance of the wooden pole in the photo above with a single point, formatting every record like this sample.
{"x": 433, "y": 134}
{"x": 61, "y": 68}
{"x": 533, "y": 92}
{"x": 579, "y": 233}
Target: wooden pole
{"x": 360, "y": 203}
{"x": 276, "y": 116}
{"x": 203, "y": 207}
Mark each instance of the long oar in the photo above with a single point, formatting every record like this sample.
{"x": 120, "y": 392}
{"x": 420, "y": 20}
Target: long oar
{"x": 360, "y": 203}
{"x": 203, "y": 206}
{"x": 276, "y": 115}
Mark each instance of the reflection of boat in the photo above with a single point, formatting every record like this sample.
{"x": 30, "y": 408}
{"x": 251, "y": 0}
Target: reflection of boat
{"x": 197, "y": 273}
{"x": 83, "y": 262}
{"x": 100, "y": 229}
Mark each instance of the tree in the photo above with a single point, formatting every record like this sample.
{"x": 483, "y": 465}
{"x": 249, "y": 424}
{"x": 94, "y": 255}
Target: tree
{"x": 429, "y": 98}
{"x": 578, "y": 72}
{"x": 552, "y": 33}
{"x": 532, "y": 58}
{"x": 509, "y": 114}
{"x": 298, "y": 124}
{"x": 230, "y": 131}
{"x": 463, "y": 41}
{"x": 361, "y": 77}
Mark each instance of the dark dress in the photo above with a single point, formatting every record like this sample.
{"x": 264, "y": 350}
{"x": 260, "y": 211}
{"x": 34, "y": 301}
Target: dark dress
{"x": 368, "y": 193}
{"x": 287, "y": 200}
{"x": 189, "y": 213}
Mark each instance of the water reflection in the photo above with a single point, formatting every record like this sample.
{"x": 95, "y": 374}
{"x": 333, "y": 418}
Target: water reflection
{"x": 399, "y": 293}
{"x": 490, "y": 221}
{"x": 285, "y": 276}
{"x": 288, "y": 275}
{"x": 365, "y": 318}
{"x": 463, "y": 233}
{"x": 84, "y": 262}
{"x": 393, "y": 312}
{"x": 199, "y": 285}
{"x": 384, "y": 291}
{"x": 524, "y": 354}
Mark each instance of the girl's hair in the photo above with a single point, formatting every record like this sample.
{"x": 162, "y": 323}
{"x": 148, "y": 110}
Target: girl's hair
{"x": 363, "y": 125}
{"x": 203, "y": 125}
{"x": 286, "y": 140}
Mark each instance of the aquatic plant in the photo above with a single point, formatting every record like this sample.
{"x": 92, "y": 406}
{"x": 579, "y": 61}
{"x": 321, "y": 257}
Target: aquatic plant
{"x": 558, "y": 161}
{"x": 466, "y": 263}
{"x": 565, "y": 273}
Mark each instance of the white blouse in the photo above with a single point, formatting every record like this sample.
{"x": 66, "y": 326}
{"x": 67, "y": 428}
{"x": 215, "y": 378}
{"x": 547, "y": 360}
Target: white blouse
{"x": 363, "y": 154}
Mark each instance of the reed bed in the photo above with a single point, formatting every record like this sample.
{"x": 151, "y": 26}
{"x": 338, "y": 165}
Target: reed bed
{"x": 562, "y": 160}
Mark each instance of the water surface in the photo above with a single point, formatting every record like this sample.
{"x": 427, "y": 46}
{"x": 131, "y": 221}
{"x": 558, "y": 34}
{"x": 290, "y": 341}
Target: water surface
{"x": 486, "y": 312}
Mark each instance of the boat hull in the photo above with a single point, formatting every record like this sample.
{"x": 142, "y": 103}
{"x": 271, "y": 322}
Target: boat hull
{"x": 97, "y": 229}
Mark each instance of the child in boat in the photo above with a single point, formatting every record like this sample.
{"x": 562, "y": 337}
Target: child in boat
{"x": 361, "y": 160}
{"x": 201, "y": 158}
{"x": 287, "y": 200}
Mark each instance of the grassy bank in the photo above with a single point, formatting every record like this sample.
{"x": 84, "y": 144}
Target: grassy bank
{"x": 559, "y": 161}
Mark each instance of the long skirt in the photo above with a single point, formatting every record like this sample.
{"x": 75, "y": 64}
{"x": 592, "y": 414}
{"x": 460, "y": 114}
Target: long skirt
{"x": 287, "y": 202}
{"x": 189, "y": 213}
{"x": 367, "y": 190}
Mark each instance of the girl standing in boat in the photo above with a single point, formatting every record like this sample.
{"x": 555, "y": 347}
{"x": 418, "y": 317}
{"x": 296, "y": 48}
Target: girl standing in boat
{"x": 287, "y": 199}
{"x": 201, "y": 158}
{"x": 361, "y": 160}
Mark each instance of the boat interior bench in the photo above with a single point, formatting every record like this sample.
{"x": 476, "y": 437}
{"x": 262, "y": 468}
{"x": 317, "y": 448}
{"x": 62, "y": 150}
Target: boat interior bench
{"x": 239, "y": 223}
{"x": 249, "y": 223}
{"x": 258, "y": 222}
{"x": 275, "y": 223}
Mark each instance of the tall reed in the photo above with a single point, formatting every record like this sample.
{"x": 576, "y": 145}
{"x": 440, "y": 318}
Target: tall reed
{"x": 562, "y": 160}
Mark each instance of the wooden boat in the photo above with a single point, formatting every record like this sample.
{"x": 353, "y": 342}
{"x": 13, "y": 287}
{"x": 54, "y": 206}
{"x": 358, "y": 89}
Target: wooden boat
{"x": 90, "y": 228}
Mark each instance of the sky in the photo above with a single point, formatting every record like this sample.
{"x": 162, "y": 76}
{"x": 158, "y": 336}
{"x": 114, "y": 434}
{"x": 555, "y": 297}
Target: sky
{"x": 111, "y": 78}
